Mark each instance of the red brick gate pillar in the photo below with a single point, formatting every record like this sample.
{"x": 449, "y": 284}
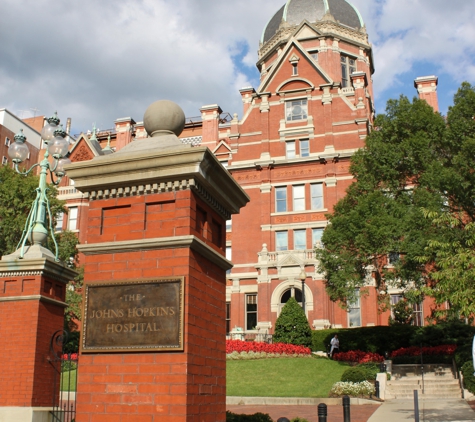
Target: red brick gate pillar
{"x": 32, "y": 294}
{"x": 157, "y": 213}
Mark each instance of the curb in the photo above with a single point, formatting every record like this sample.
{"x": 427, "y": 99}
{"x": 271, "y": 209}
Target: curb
{"x": 293, "y": 401}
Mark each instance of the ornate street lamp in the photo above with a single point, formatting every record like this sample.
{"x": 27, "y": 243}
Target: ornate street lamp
{"x": 302, "y": 278}
{"x": 36, "y": 227}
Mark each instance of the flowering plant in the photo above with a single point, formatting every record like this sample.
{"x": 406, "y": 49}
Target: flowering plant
{"x": 238, "y": 349}
{"x": 73, "y": 356}
{"x": 447, "y": 349}
{"x": 364, "y": 388}
{"x": 357, "y": 356}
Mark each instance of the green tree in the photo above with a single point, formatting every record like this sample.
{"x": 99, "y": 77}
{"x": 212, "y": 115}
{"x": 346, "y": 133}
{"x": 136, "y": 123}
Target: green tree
{"x": 415, "y": 163}
{"x": 292, "y": 326}
{"x": 17, "y": 193}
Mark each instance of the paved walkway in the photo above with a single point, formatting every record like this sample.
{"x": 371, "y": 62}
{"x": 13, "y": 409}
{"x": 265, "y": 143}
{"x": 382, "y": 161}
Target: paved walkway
{"x": 430, "y": 410}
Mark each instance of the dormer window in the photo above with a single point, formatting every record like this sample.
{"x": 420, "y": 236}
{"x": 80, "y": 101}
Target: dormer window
{"x": 294, "y": 61}
{"x": 296, "y": 110}
{"x": 348, "y": 66}
{"x": 314, "y": 55}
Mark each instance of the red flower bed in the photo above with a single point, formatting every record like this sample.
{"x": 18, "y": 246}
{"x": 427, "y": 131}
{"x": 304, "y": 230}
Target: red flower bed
{"x": 447, "y": 349}
{"x": 358, "y": 356}
{"x": 252, "y": 346}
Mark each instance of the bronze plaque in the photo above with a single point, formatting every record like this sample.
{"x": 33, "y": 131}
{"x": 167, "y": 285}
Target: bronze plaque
{"x": 131, "y": 316}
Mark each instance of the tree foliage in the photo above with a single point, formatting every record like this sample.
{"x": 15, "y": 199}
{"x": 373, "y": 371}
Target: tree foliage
{"x": 415, "y": 163}
{"x": 292, "y": 326}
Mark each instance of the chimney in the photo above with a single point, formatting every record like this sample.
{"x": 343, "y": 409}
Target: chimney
{"x": 427, "y": 88}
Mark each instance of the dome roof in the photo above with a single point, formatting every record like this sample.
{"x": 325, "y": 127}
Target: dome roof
{"x": 296, "y": 11}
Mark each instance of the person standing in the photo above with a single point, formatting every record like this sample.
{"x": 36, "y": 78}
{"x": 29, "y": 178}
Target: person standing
{"x": 335, "y": 345}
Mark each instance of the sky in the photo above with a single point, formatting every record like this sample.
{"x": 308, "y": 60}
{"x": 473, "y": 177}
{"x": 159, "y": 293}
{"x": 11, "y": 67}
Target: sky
{"x": 97, "y": 61}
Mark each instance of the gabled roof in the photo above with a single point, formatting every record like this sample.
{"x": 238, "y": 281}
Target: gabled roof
{"x": 85, "y": 148}
{"x": 293, "y": 44}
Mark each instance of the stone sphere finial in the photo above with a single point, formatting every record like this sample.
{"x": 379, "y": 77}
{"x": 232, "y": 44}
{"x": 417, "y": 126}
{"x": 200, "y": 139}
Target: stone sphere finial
{"x": 164, "y": 117}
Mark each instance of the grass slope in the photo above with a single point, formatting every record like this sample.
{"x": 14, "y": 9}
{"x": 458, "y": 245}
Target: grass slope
{"x": 282, "y": 377}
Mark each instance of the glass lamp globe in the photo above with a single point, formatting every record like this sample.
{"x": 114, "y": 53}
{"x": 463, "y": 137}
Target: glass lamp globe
{"x": 60, "y": 167}
{"x": 47, "y": 133}
{"x": 58, "y": 147}
{"x": 18, "y": 152}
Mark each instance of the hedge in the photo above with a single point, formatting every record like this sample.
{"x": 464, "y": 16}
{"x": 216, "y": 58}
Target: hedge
{"x": 256, "y": 417}
{"x": 468, "y": 378}
{"x": 382, "y": 339}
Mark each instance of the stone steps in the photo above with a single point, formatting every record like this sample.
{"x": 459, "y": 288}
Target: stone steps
{"x": 435, "y": 386}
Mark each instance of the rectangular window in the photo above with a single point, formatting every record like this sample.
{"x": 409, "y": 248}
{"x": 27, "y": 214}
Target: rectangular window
{"x": 281, "y": 241}
{"x": 354, "y": 312}
{"x": 304, "y": 148}
{"x": 348, "y": 66}
{"x": 298, "y": 197}
{"x": 295, "y": 70}
{"x": 73, "y": 218}
{"x": 59, "y": 222}
{"x": 314, "y": 56}
{"x": 317, "y": 237}
{"x": 296, "y": 110}
{"x": 300, "y": 239}
{"x": 251, "y": 312}
{"x": 7, "y": 142}
{"x": 228, "y": 317}
{"x": 290, "y": 149}
{"x": 281, "y": 199}
{"x": 418, "y": 318}
{"x": 316, "y": 192}
{"x": 229, "y": 225}
{"x": 4, "y": 161}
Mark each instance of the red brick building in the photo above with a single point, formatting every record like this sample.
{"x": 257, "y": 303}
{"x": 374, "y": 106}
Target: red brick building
{"x": 290, "y": 151}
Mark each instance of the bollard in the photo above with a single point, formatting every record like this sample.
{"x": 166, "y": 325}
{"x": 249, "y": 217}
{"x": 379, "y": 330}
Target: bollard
{"x": 382, "y": 367}
{"x": 283, "y": 419}
{"x": 346, "y": 409}
{"x": 376, "y": 387}
{"x": 416, "y": 406}
{"x": 322, "y": 412}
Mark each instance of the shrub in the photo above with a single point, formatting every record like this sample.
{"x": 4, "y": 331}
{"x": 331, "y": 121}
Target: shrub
{"x": 240, "y": 346}
{"x": 256, "y": 417}
{"x": 297, "y": 419}
{"x": 468, "y": 378}
{"x": 371, "y": 369}
{"x": 435, "y": 354}
{"x": 354, "y": 374}
{"x": 364, "y": 388}
{"x": 292, "y": 326}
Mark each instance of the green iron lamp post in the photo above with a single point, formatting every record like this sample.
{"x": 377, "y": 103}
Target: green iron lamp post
{"x": 39, "y": 219}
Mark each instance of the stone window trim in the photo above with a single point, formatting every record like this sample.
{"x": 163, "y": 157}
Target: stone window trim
{"x": 251, "y": 311}
{"x": 348, "y": 66}
{"x": 296, "y": 110}
{"x": 286, "y": 285}
{"x": 7, "y": 141}
{"x": 281, "y": 199}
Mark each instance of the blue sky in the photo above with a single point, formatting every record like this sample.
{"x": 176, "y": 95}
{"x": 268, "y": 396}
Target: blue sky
{"x": 99, "y": 61}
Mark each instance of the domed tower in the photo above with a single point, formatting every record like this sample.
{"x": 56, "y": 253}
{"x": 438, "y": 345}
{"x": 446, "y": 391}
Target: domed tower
{"x": 291, "y": 153}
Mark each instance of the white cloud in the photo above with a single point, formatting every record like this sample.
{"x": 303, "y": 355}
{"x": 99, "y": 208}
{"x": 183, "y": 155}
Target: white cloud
{"x": 98, "y": 61}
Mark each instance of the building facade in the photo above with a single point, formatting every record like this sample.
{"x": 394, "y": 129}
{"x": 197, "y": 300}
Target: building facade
{"x": 290, "y": 151}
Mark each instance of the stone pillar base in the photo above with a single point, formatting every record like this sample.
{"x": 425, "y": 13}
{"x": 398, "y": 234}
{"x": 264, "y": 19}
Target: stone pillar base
{"x": 25, "y": 414}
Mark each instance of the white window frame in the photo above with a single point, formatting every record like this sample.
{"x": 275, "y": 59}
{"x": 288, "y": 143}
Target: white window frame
{"x": 316, "y": 196}
{"x": 296, "y": 110}
{"x": 290, "y": 151}
{"x": 252, "y": 297}
{"x": 304, "y": 148}
{"x": 4, "y": 161}
{"x": 348, "y": 66}
{"x": 298, "y": 198}
{"x": 7, "y": 141}
{"x": 73, "y": 213}
{"x": 59, "y": 222}
{"x": 300, "y": 240}
{"x": 279, "y": 201}
{"x": 317, "y": 236}
{"x": 354, "y": 311}
{"x": 282, "y": 240}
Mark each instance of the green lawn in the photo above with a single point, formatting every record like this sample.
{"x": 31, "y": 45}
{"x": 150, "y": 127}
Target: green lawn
{"x": 68, "y": 377}
{"x": 282, "y": 377}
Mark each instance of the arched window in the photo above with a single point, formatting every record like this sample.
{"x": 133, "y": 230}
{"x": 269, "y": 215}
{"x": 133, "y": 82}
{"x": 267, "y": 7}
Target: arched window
{"x": 292, "y": 292}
